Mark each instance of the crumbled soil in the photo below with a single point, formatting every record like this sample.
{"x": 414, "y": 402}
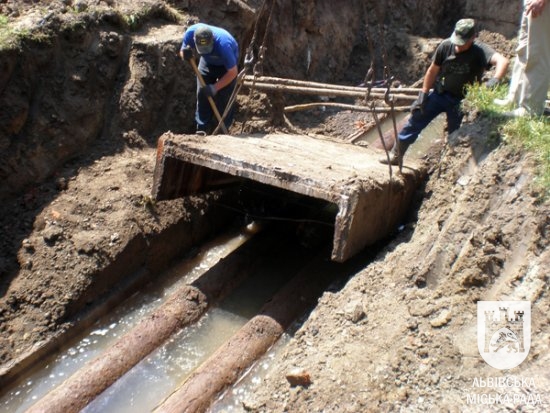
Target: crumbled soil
{"x": 83, "y": 107}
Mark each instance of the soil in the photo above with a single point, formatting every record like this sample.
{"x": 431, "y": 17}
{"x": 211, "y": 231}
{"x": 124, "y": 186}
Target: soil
{"x": 84, "y": 100}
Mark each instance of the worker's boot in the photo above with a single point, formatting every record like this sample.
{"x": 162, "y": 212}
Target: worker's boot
{"x": 396, "y": 153}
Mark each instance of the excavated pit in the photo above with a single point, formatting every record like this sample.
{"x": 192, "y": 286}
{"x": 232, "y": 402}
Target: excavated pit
{"x": 84, "y": 110}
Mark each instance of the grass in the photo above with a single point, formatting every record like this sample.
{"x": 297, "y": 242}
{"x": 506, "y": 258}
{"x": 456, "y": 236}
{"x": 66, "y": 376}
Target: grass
{"x": 6, "y": 33}
{"x": 11, "y": 38}
{"x": 530, "y": 133}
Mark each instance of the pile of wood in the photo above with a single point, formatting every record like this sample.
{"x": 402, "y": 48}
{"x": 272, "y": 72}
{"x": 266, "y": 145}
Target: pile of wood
{"x": 367, "y": 98}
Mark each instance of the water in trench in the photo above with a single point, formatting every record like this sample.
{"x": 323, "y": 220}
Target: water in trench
{"x": 430, "y": 135}
{"x": 154, "y": 378}
{"x": 179, "y": 354}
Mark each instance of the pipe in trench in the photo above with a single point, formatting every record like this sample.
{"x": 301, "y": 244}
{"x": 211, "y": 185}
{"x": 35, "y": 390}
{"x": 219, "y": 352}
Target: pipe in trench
{"x": 226, "y": 365}
{"x": 303, "y": 90}
{"x": 358, "y": 108}
{"x": 294, "y": 82}
{"x": 185, "y": 306}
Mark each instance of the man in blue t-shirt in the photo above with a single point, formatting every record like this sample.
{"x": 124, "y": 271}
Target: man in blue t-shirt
{"x": 458, "y": 61}
{"x": 219, "y": 54}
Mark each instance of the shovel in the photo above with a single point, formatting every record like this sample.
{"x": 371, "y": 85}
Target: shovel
{"x": 210, "y": 100}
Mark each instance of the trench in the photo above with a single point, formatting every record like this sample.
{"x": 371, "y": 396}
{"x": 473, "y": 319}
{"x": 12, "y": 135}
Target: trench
{"x": 152, "y": 380}
{"x": 163, "y": 370}
{"x": 52, "y": 371}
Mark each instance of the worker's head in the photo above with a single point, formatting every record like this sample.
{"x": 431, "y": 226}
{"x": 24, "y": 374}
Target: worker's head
{"x": 204, "y": 39}
{"x": 464, "y": 33}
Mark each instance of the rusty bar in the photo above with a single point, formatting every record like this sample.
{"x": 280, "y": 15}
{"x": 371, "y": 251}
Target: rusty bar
{"x": 358, "y": 108}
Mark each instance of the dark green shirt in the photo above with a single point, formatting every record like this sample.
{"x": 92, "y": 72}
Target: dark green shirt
{"x": 461, "y": 69}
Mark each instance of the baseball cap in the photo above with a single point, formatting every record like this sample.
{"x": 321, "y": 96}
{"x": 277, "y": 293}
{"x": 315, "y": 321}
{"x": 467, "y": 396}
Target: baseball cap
{"x": 204, "y": 39}
{"x": 464, "y": 31}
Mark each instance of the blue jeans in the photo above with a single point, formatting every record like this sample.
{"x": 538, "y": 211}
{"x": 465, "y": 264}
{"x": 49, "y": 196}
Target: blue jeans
{"x": 204, "y": 115}
{"x": 437, "y": 103}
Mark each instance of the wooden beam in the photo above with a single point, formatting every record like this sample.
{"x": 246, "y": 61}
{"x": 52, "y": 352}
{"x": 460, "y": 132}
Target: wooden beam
{"x": 232, "y": 359}
{"x": 358, "y": 108}
{"x": 330, "y": 92}
{"x": 319, "y": 85}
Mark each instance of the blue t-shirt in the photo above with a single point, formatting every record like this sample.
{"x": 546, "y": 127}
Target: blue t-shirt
{"x": 226, "y": 49}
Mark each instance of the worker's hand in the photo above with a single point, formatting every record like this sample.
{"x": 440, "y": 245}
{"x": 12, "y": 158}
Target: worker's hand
{"x": 420, "y": 102}
{"x": 209, "y": 90}
{"x": 492, "y": 82}
{"x": 187, "y": 53}
{"x": 534, "y": 7}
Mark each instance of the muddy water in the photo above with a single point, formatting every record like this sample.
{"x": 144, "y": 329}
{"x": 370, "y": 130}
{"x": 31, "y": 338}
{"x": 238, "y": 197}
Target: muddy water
{"x": 176, "y": 358}
{"x": 157, "y": 376}
{"x": 431, "y": 134}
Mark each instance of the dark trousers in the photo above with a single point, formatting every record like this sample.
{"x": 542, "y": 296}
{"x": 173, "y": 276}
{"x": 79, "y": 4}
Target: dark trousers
{"x": 204, "y": 115}
{"x": 437, "y": 103}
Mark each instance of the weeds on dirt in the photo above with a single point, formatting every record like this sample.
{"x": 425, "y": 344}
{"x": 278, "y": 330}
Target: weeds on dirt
{"x": 135, "y": 20}
{"x": 12, "y": 38}
{"x": 480, "y": 99}
{"x": 531, "y": 133}
{"x": 147, "y": 202}
{"x": 9, "y": 37}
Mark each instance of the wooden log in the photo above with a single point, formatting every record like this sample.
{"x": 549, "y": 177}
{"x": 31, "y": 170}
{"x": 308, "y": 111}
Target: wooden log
{"x": 236, "y": 356}
{"x": 331, "y": 92}
{"x": 358, "y": 108}
{"x": 389, "y": 135}
{"x": 185, "y": 306}
{"x": 319, "y": 85}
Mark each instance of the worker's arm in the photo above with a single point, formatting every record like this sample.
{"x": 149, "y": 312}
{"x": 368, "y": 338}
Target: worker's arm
{"x": 500, "y": 63}
{"x": 226, "y": 79}
{"x": 429, "y": 77}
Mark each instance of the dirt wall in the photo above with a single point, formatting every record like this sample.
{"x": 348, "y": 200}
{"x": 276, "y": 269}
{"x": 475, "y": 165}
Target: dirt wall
{"x": 90, "y": 77}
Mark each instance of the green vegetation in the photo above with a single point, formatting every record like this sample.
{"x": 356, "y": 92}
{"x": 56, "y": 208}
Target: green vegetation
{"x": 11, "y": 38}
{"x": 529, "y": 133}
{"x": 6, "y": 34}
{"x": 534, "y": 135}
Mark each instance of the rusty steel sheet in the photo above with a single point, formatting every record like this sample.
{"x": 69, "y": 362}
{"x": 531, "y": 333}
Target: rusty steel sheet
{"x": 370, "y": 203}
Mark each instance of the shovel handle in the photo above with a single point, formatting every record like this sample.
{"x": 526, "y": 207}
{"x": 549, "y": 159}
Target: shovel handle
{"x": 210, "y": 100}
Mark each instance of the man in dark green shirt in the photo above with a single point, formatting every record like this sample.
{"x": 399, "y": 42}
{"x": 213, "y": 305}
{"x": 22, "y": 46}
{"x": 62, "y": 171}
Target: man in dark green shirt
{"x": 458, "y": 61}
